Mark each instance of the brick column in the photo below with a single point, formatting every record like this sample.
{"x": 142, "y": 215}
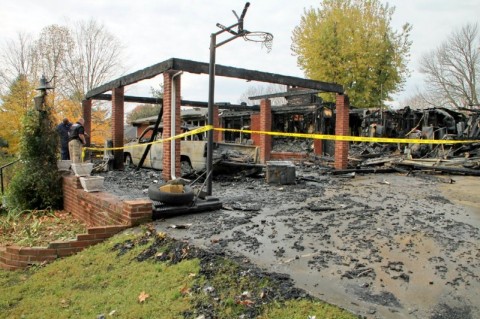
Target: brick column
{"x": 342, "y": 128}
{"x": 117, "y": 125}
{"x": 266, "y": 126}
{"x": 217, "y": 135}
{"x": 87, "y": 116}
{"x": 167, "y": 129}
{"x": 255, "y": 126}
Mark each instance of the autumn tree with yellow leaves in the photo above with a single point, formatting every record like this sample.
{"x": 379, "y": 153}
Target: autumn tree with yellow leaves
{"x": 15, "y": 105}
{"x": 352, "y": 43}
{"x": 74, "y": 59}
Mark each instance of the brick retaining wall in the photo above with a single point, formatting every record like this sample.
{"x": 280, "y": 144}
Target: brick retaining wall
{"x": 105, "y": 215}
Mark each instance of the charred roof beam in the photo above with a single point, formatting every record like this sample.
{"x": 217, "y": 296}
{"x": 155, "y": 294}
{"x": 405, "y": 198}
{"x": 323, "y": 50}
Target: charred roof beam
{"x": 220, "y": 70}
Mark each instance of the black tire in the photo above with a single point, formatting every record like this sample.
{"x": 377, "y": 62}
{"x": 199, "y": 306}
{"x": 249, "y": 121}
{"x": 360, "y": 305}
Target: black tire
{"x": 154, "y": 193}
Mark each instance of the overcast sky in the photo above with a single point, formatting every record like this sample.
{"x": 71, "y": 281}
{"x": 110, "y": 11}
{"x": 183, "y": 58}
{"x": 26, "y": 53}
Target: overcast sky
{"x": 156, "y": 30}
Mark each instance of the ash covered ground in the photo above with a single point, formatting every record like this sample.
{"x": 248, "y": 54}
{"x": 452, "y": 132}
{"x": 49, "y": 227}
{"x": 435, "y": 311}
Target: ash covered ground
{"x": 380, "y": 245}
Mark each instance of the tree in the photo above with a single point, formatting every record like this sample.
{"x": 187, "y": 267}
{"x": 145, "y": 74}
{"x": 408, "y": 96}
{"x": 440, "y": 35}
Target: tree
{"x": 77, "y": 58}
{"x": 52, "y": 48}
{"x": 14, "y": 107}
{"x": 263, "y": 90}
{"x": 147, "y": 110}
{"x": 95, "y": 58}
{"x": 351, "y": 42}
{"x": 418, "y": 100}
{"x": 19, "y": 59}
{"x": 37, "y": 182}
{"x": 453, "y": 69}
{"x": 142, "y": 111}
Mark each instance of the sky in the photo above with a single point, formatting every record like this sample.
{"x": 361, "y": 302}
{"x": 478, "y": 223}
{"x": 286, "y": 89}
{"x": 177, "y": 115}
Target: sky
{"x": 156, "y": 30}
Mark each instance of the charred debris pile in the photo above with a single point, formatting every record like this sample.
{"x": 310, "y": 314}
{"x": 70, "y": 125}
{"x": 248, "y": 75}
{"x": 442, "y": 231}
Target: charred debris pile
{"x": 432, "y": 124}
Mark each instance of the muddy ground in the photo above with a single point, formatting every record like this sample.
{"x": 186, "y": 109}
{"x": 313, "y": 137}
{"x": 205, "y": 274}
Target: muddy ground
{"x": 380, "y": 245}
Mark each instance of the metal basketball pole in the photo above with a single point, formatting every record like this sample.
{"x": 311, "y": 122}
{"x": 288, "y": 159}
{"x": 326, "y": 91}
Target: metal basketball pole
{"x": 211, "y": 84}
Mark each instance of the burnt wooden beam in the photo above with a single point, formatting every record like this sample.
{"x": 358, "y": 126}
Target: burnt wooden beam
{"x": 283, "y": 94}
{"x": 220, "y": 70}
{"x": 147, "y": 73}
{"x": 251, "y": 75}
{"x": 129, "y": 98}
{"x": 152, "y": 100}
{"x": 296, "y": 109}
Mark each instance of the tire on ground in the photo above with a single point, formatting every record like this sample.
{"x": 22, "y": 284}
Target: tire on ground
{"x": 154, "y": 193}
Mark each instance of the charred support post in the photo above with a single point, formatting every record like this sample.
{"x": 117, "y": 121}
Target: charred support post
{"x": 342, "y": 128}
{"x": 211, "y": 98}
{"x": 87, "y": 116}
{"x": 117, "y": 125}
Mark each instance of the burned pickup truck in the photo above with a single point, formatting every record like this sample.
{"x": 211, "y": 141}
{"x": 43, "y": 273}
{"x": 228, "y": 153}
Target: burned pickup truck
{"x": 193, "y": 152}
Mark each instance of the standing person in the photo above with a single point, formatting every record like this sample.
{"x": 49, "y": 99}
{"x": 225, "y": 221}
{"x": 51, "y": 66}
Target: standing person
{"x": 63, "y": 129}
{"x": 76, "y": 137}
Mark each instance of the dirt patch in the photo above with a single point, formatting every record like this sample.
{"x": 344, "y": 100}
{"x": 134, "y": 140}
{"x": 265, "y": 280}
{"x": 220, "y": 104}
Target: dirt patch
{"x": 382, "y": 246}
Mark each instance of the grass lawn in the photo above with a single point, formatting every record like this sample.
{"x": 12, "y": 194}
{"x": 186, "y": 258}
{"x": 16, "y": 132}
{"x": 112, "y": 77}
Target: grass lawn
{"x": 149, "y": 275}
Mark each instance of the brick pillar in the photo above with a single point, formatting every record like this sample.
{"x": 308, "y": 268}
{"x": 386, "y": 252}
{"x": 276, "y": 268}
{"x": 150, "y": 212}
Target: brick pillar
{"x": 255, "y": 126}
{"x": 117, "y": 125}
{"x": 87, "y": 116}
{"x": 217, "y": 135}
{"x": 167, "y": 129}
{"x": 318, "y": 147}
{"x": 342, "y": 128}
{"x": 266, "y": 126}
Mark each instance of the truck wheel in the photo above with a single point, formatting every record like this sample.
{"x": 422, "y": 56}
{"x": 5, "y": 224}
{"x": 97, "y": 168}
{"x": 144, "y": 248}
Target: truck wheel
{"x": 185, "y": 168}
{"x": 154, "y": 193}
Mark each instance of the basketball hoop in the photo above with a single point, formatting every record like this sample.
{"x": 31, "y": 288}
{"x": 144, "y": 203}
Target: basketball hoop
{"x": 264, "y": 38}
{"x": 258, "y": 36}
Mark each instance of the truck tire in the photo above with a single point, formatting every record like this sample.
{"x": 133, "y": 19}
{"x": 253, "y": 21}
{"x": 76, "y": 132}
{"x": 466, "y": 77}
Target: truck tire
{"x": 154, "y": 193}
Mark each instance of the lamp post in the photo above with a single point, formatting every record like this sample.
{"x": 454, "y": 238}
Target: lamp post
{"x": 40, "y": 99}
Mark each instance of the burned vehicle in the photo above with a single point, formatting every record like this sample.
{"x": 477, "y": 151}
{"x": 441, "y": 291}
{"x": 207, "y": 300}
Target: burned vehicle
{"x": 193, "y": 152}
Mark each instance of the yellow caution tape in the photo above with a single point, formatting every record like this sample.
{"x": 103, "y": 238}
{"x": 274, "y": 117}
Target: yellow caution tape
{"x": 297, "y": 135}
{"x": 182, "y": 135}
{"x": 351, "y": 138}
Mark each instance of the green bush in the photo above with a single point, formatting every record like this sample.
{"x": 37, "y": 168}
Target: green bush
{"x": 37, "y": 182}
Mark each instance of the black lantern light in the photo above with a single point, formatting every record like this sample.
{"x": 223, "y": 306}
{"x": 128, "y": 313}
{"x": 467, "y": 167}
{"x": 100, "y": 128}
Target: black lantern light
{"x": 40, "y": 99}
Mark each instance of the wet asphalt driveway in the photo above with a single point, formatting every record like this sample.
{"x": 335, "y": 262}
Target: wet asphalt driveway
{"x": 381, "y": 246}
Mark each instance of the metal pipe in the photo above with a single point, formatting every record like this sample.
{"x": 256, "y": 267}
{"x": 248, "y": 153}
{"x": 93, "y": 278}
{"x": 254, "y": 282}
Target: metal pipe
{"x": 211, "y": 94}
{"x": 1, "y": 174}
{"x": 173, "y": 125}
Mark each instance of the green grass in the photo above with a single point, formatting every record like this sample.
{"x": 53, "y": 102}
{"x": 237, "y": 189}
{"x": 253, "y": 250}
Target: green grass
{"x": 101, "y": 280}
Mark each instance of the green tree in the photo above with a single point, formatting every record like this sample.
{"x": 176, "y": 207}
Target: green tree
{"x": 352, "y": 43}
{"x": 37, "y": 183}
{"x": 147, "y": 110}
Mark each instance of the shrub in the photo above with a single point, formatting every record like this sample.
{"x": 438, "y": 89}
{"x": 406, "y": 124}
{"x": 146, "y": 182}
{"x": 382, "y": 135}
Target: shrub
{"x": 37, "y": 182}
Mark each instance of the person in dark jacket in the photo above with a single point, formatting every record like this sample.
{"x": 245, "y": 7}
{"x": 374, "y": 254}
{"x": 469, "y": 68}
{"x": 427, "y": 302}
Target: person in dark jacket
{"x": 62, "y": 130}
{"x": 76, "y": 138}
